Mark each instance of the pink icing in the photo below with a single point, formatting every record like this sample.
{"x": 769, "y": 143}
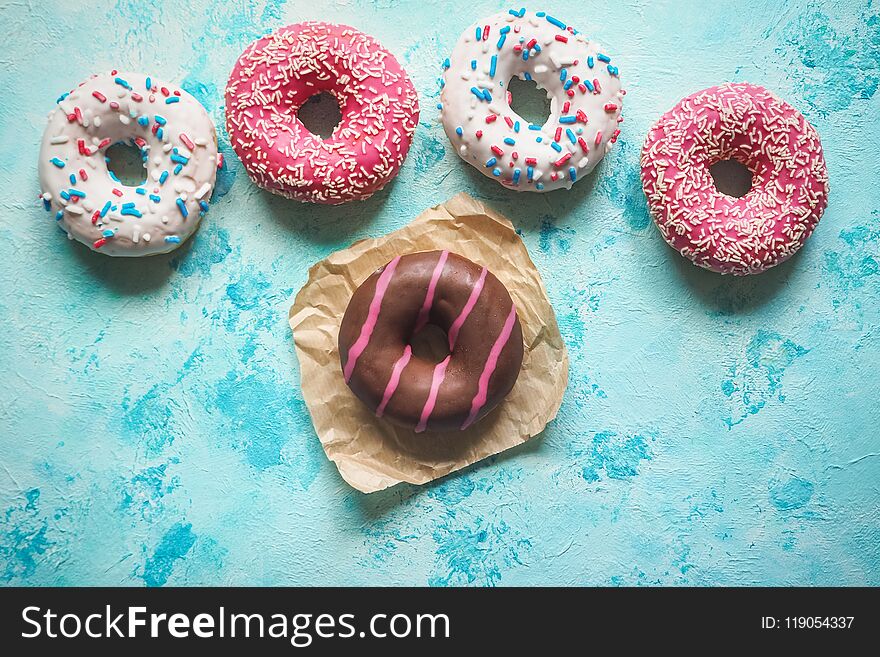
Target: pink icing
{"x": 482, "y": 395}
{"x": 425, "y": 311}
{"x": 274, "y": 77}
{"x": 394, "y": 381}
{"x": 468, "y": 307}
{"x": 372, "y": 317}
{"x": 431, "y": 401}
{"x": 789, "y": 191}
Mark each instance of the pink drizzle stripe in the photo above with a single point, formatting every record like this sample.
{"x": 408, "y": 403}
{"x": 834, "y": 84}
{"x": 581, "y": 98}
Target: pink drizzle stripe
{"x": 372, "y": 317}
{"x": 394, "y": 381}
{"x": 439, "y": 375}
{"x": 468, "y": 307}
{"x": 429, "y": 297}
{"x": 491, "y": 363}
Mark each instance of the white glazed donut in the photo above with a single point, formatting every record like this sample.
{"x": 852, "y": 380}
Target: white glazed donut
{"x": 177, "y": 140}
{"x": 580, "y": 80}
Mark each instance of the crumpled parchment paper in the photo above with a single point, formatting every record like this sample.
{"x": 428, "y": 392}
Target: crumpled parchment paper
{"x": 371, "y": 453}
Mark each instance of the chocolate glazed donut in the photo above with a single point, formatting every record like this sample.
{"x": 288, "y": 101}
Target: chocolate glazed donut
{"x": 394, "y": 304}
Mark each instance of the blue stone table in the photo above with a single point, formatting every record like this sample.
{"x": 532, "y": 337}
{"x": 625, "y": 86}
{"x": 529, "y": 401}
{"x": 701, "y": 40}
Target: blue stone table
{"x": 714, "y": 430}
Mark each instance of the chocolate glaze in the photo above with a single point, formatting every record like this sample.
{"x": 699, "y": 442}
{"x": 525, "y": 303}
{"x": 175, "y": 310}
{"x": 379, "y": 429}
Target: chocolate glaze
{"x": 491, "y": 323}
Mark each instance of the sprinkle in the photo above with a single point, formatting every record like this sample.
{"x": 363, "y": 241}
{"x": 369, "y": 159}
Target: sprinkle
{"x": 590, "y": 61}
{"x": 589, "y": 85}
{"x": 72, "y": 178}
{"x": 100, "y": 96}
{"x": 501, "y": 39}
{"x": 479, "y": 133}
{"x": 497, "y": 151}
{"x": 532, "y": 126}
{"x": 479, "y": 33}
{"x": 182, "y": 207}
{"x": 59, "y": 139}
{"x": 509, "y": 141}
{"x": 516, "y": 175}
{"x": 613, "y": 70}
{"x": 179, "y": 158}
{"x": 556, "y": 147}
{"x": 178, "y": 169}
{"x": 508, "y": 121}
{"x": 581, "y": 116}
{"x": 130, "y": 211}
{"x": 172, "y": 99}
{"x": 203, "y": 205}
{"x": 141, "y": 191}
{"x": 491, "y": 162}
{"x": 562, "y": 160}
{"x": 610, "y": 107}
{"x": 555, "y": 21}
{"x": 107, "y": 233}
{"x": 172, "y": 239}
{"x": 598, "y": 137}
{"x": 99, "y": 243}
{"x": 149, "y": 84}
{"x": 490, "y": 118}
{"x": 567, "y": 85}
{"x": 584, "y": 147}
{"x": 161, "y": 120}
{"x": 558, "y": 134}
{"x": 144, "y": 121}
{"x": 116, "y": 192}
{"x": 105, "y": 209}
{"x": 473, "y": 64}
{"x": 539, "y": 186}
{"x": 104, "y": 143}
{"x": 596, "y": 85}
{"x": 163, "y": 177}
{"x": 58, "y": 163}
{"x": 155, "y": 199}
{"x": 567, "y": 119}
{"x": 83, "y": 175}
{"x": 572, "y": 173}
{"x": 492, "y": 66}
{"x": 566, "y": 107}
{"x": 530, "y": 172}
{"x": 603, "y": 58}
{"x": 446, "y": 63}
{"x": 564, "y": 39}
{"x": 76, "y": 192}
{"x": 459, "y": 131}
{"x": 122, "y": 83}
{"x": 63, "y": 194}
{"x": 571, "y": 136}
{"x": 496, "y": 172}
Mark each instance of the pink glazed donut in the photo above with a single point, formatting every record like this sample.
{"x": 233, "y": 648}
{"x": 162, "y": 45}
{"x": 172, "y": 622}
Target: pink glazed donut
{"x": 277, "y": 73}
{"x": 751, "y": 125}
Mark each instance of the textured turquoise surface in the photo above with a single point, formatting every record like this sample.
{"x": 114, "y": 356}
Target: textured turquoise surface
{"x": 714, "y": 431}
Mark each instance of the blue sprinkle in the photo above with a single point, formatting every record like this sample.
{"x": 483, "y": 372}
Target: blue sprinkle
{"x": 590, "y": 61}
{"x": 141, "y": 191}
{"x": 567, "y": 85}
{"x": 178, "y": 169}
{"x": 182, "y": 207}
{"x": 58, "y": 163}
{"x": 155, "y": 199}
{"x": 161, "y": 120}
{"x": 516, "y": 175}
{"x": 163, "y": 177}
{"x": 539, "y": 186}
{"x": 107, "y": 233}
{"x": 47, "y": 204}
{"x": 64, "y": 195}
{"x": 122, "y": 83}
{"x": 537, "y": 48}
{"x": 509, "y": 141}
{"x": 149, "y": 84}
{"x": 62, "y": 97}
{"x": 491, "y": 162}
{"x": 527, "y": 75}
{"x": 563, "y": 74}
{"x": 539, "y": 139}
{"x": 72, "y": 179}
{"x": 144, "y": 121}
{"x": 556, "y": 147}
{"x": 479, "y": 33}
{"x": 571, "y": 136}
{"x": 446, "y": 65}
{"x": 439, "y": 106}
{"x": 459, "y": 131}
{"x": 492, "y": 65}
{"x": 589, "y": 85}
{"x": 473, "y": 64}
{"x": 496, "y": 172}
{"x": 572, "y": 173}
{"x": 128, "y": 205}
{"x": 59, "y": 215}
{"x": 501, "y": 40}
{"x": 541, "y": 14}
{"x": 76, "y": 192}
{"x": 567, "y": 119}
{"x": 441, "y": 82}
{"x": 613, "y": 70}
{"x": 105, "y": 209}
{"x": 476, "y": 92}
{"x": 516, "y": 126}
{"x": 172, "y": 239}
{"x": 159, "y": 133}
{"x": 172, "y": 99}
{"x": 532, "y": 126}
{"x": 179, "y": 158}
{"x": 555, "y": 21}
{"x": 530, "y": 171}
{"x": 204, "y": 206}
{"x": 130, "y": 211}
{"x": 487, "y": 95}
{"x": 525, "y": 55}
{"x": 602, "y": 57}
{"x": 505, "y": 29}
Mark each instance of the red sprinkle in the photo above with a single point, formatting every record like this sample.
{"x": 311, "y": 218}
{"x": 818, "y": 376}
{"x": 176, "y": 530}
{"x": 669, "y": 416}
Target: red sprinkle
{"x": 531, "y": 161}
{"x": 597, "y": 87}
{"x": 554, "y": 176}
{"x": 610, "y": 107}
{"x": 485, "y": 32}
{"x": 491, "y": 117}
{"x": 186, "y": 140}
{"x": 96, "y": 216}
{"x": 114, "y": 105}
{"x": 562, "y": 160}
{"x": 614, "y": 136}
{"x": 497, "y": 151}
{"x": 83, "y": 175}
{"x": 531, "y": 44}
{"x": 564, "y": 39}
{"x": 71, "y": 117}
{"x": 81, "y": 145}
{"x": 140, "y": 141}
{"x": 598, "y": 138}
{"x": 164, "y": 91}
{"x": 570, "y": 93}
{"x": 566, "y": 107}
{"x": 136, "y": 97}
{"x": 581, "y": 116}
{"x": 479, "y": 134}
{"x": 558, "y": 134}
{"x": 584, "y": 146}
{"x": 100, "y": 96}
{"x": 177, "y": 93}
{"x": 104, "y": 143}
{"x": 515, "y": 155}
{"x": 509, "y": 121}
{"x": 582, "y": 87}
{"x": 79, "y": 115}
{"x": 117, "y": 192}
{"x": 99, "y": 243}
{"x": 575, "y": 79}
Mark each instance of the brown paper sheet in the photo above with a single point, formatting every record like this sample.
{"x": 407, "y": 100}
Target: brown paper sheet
{"x": 372, "y": 454}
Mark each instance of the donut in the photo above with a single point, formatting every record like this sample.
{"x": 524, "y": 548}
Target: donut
{"x": 397, "y": 301}
{"x": 580, "y": 80}
{"x": 279, "y": 72}
{"x": 751, "y": 125}
{"x": 178, "y": 144}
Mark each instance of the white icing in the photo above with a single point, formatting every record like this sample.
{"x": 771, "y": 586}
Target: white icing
{"x": 461, "y": 108}
{"x": 62, "y": 141}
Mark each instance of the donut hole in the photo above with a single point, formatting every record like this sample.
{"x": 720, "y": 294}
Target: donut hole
{"x": 529, "y": 101}
{"x": 320, "y": 114}
{"x": 731, "y": 177}
{"x": 430, "y": 344}
{"x": 126, "y": 164}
